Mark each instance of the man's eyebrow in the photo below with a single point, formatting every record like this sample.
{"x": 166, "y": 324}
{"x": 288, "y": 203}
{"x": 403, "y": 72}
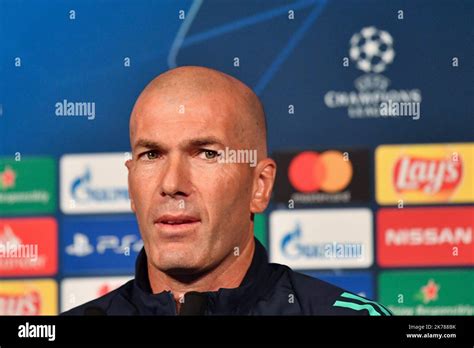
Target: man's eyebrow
{"x": 148, "y": 144}
{"x": 204, "y": 141}
{"x": 197, "y": 142}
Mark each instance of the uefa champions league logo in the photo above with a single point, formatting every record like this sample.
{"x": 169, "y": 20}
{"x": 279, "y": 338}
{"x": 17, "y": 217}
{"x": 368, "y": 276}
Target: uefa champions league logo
{"x": 372, "y": 49}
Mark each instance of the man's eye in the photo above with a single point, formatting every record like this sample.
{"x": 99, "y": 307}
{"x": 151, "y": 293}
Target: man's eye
{"x": 151, "y": 155}
{"x": 209, "y": 154}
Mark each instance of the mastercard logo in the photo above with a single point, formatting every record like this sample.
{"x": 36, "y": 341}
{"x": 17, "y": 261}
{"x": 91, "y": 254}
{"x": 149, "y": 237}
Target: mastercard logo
{"x": 328, "y": 171}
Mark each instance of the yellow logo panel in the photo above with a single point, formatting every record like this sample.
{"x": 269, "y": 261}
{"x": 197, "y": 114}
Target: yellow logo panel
{"x": 28, "y": 297}
{"x": 425, "y": 173}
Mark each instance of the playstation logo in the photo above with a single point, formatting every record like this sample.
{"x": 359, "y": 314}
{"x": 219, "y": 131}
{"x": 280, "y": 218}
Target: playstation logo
{"x": 80, "y": 246}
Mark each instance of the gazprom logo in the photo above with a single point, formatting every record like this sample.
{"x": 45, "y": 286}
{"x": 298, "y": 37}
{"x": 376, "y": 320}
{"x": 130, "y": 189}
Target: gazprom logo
{"x": 82, "y": 190}
{"x": 290, "y": 244}
{"x": 307, "y": 239}
{"x": 94, "y": 183}
{"x": 294, "y": 248}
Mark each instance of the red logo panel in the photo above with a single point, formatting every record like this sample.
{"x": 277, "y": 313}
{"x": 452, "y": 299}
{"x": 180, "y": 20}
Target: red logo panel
{"x": 28, "y": 246}
{"x": 425, "y": 236}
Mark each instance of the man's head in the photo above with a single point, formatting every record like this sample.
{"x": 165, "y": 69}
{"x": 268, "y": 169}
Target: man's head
{"x": 192, "y": 207}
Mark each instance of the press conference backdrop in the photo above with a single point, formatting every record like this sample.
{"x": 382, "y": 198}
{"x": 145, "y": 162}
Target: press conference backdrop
{"x": 370, "y": 118}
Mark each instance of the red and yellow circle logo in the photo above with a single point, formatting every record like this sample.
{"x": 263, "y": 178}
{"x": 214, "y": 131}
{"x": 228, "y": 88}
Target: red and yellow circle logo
{"x": 329, "y": 171}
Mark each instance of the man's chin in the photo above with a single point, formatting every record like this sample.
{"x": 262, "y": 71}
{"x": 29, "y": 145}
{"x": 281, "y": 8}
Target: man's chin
{"x": 178, "y": 263}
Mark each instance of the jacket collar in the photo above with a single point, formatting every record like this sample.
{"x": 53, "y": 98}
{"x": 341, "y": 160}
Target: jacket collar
{"x": 224, "y": 301}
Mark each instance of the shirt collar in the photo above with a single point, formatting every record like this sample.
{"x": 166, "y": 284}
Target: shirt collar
{"x": 223, "y": 301}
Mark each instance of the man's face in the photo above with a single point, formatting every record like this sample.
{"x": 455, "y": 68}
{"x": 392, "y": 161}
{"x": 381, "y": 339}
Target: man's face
{"x": 192, "y": 210}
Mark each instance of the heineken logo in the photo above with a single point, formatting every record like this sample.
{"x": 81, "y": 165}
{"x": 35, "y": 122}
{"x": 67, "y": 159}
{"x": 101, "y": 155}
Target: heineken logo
{"x": 429, "y": 292}
{"x": 7, "y": 178}
{"x": 27, "y": 186}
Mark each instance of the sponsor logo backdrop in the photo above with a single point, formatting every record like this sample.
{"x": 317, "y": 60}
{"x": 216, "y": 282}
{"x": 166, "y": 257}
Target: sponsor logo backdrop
{"x": 369, "y": 109}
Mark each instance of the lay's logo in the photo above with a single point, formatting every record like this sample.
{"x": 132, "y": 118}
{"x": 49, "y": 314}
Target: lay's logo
{"x": 425, "y": 173}
{"x": 28, "y": 297}
{"x": 430, "y": 176}
{"x": 20, "y": 304}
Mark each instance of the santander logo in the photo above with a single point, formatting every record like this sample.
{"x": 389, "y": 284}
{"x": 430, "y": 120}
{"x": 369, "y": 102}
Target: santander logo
{"x": 427, "y": 175}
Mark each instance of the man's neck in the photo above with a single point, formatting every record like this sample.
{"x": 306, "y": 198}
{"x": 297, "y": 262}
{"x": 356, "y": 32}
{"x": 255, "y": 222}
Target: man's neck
{"x": 229, "y": 274}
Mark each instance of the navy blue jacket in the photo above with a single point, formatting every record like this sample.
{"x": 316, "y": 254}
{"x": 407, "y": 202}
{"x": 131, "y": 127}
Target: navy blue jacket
{"x": 267, "y": 289}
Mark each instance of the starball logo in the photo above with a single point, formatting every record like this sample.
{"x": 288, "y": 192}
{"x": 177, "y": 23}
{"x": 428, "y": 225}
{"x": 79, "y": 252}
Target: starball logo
{"x": 372, "y": 51}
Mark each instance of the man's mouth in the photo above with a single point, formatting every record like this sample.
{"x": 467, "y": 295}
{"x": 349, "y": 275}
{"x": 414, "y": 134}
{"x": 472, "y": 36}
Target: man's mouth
{"x": 176, "y": 219}
{"x": 176, "y": 223}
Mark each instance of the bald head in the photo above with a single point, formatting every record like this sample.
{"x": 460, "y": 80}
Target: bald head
{"x": 182, "y": 85}
{"x": 199, "y": 156}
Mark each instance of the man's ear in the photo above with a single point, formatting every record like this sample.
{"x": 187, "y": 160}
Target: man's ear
{"x": 129, "y": 164}
{"x": 265, "y": 173}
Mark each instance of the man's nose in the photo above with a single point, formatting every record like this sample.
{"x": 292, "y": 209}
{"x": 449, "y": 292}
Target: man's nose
{"x": 175, "y": 177}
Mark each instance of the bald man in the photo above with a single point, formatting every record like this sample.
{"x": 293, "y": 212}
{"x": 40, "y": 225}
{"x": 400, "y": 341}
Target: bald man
{"x": 195, "y": 207}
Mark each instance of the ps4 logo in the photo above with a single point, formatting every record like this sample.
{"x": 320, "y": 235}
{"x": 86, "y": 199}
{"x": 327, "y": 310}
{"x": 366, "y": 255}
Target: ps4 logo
{"x": 82, "y": 190}
{"x": 81, "y": 245}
